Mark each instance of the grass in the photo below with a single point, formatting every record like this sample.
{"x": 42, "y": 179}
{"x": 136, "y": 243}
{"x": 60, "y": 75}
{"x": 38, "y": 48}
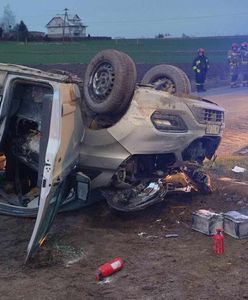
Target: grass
{"x": 223, "y": 167}
{"x": 152, "y": 51}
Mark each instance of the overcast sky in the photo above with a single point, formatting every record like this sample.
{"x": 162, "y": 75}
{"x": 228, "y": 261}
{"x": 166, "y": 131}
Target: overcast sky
{"x": 139, "y": 18}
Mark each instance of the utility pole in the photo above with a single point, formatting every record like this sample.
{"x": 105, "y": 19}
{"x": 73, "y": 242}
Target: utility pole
{"x": 65, "y": 18}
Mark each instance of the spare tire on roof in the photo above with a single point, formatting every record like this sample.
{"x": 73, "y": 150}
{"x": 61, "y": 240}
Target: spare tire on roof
{"x": 168, "y": 78}
{"x": 109, "y": 82}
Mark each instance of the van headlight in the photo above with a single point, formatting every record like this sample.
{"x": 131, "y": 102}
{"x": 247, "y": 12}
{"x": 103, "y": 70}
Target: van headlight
{"x": 165, "y": 121}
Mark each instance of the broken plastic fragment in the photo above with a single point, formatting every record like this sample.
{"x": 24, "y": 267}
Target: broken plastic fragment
{"x": 142, "y": 233}
{"x": 153, "y": 185}
{"x": 238, "y": 169}
{"x": 172, "y": 235}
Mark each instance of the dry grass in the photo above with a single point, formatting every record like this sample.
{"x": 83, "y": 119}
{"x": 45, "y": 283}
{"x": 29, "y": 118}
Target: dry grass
{"x": 223, "y": 167}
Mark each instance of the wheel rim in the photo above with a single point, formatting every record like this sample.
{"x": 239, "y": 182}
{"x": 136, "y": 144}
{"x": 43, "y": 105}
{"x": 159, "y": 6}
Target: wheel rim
{"x": 101, "y": 82}
{"x": 166, "y": 84}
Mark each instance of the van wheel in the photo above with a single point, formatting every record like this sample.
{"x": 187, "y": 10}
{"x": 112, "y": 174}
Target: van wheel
{"x": 168, "y": 78}
{"x": 109, "y": 82}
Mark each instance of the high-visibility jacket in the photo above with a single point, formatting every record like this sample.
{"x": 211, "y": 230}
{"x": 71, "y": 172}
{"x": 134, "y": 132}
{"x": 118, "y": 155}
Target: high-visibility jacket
{"x": 200, "y": 64}
{"x": 244, "y": 57}
{"x": 233, "y": 58}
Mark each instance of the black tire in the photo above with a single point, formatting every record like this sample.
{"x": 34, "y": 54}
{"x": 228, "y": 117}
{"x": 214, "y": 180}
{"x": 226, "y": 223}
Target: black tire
{"x": 168, "y": 78}
{"x": 109, "y": 82}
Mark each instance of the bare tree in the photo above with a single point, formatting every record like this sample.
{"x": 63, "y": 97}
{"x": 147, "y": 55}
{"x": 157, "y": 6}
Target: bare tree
{"x": 22, "y": 32}
{"x": 8, "y": 19}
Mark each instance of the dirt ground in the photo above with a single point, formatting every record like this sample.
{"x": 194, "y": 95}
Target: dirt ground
{"x": 156, "y": 267}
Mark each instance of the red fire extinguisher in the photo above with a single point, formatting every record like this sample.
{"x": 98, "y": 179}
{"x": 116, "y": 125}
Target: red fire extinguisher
{"x": 109, "y": 268}
{"x": 219, "y": 242}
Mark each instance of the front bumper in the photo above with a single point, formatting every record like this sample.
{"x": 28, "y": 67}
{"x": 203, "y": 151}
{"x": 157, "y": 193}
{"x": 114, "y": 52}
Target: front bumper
{"x": 138, "y": 135}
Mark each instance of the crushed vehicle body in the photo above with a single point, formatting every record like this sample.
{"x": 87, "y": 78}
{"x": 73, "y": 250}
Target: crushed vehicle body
{"x": 65, "y": 138}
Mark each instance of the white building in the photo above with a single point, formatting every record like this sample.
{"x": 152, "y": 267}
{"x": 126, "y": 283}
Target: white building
{"x": 66, "y": 26}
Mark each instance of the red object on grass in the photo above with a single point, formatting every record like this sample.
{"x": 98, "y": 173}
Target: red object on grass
{"x": 109, "y": 268}
{"x": 219, "y": 242}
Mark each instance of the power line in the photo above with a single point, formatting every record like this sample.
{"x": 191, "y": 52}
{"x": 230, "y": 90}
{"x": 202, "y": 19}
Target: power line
{"x": 165, "y": 19}
{"x": 171, "y": 19}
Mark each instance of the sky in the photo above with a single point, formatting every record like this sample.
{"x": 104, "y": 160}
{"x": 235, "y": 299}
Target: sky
{"x": 139, "y": 18}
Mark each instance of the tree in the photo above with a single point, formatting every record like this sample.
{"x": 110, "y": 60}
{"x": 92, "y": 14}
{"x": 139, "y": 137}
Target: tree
{"x": 185, "y": 35}
{"x": 159, "y": 36}
{"x": 22, "y": 32}
{"x": 8, "y": 19}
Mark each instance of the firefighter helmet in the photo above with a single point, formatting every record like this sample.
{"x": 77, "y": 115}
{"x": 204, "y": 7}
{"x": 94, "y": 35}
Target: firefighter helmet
{"x": 243, "y": 45}
{"x": 201, "y": 50}
{"x": 235, "y": 46}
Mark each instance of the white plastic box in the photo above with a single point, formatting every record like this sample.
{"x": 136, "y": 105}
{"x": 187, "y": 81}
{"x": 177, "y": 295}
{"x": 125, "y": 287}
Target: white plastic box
{"x": 236, "y": 224}
{"x": 206, "y": 221}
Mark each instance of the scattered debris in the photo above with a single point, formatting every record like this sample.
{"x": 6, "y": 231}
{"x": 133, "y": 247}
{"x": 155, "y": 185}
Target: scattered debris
{"x": 187, "y": 178}
{"x": 142, "y": 234}
{"x": 238, "y": 169}
{"x": 206, "y": 221}
{"x": 178, "y": 182}
{"x": 74, "y": 260}
{"x": 137, "y": 197}
{"x": 172, "y": 235}
{"x": 151, "y": 237}
{"x": 106, "y": 280}
{"x": 241, "y": 202}
{"x": 70, "y": 254}
{"x": 243, "y": 151}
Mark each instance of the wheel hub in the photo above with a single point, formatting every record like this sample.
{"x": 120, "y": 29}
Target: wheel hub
{"x": 165, "y": 84}
{"x": 102, "y": 81}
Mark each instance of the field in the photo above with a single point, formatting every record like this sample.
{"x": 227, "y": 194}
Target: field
{"x": 148, "y": 51}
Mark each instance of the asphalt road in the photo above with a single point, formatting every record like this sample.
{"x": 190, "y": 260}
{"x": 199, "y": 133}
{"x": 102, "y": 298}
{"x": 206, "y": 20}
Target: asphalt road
{"x": 235, "y": 103}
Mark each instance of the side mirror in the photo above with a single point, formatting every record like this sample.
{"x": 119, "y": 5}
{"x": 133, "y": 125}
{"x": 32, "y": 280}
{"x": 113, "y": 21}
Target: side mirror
{"x": 81, "y": 186}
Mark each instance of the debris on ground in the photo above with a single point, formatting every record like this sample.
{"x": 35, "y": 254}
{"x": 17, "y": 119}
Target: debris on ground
{"x": 243, "y": 151}
{"x": 172, "y": 235}
{"x": 238, "y": 169}
{"x": 106, "y": 280}
{"x": 178, "y": 182}
{"x": 142, "y": 234}
{"x": 188, "y": 178}
{"x": 152, "y": 237}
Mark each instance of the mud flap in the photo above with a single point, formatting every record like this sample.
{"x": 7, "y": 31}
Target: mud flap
{"x": 136, "y": 198}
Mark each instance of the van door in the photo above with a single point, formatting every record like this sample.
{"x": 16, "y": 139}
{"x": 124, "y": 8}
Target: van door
{"x": 59, "y": 152}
